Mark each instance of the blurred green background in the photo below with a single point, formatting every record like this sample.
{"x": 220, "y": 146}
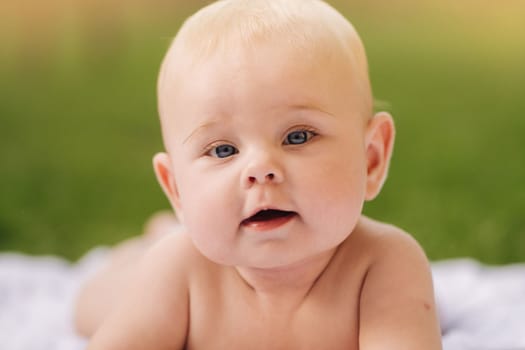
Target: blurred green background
{"x": 78, "y": 121}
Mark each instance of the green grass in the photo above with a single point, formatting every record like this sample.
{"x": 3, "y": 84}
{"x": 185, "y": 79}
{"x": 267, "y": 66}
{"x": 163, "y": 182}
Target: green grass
{"x": 79, "y": 127}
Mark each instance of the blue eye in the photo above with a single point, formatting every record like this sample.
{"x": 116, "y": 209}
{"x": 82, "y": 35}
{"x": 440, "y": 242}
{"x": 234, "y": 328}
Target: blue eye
{"x": 223, "y": 151}
{"x": 298, "y": 137}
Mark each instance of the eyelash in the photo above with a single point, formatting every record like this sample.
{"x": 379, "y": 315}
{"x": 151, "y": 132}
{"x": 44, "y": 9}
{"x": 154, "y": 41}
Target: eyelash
{"x": 311, "y": 133}
{"x": 213, "y": 147}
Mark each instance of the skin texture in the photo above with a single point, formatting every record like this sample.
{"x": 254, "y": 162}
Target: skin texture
{"x": 269, "y": 127}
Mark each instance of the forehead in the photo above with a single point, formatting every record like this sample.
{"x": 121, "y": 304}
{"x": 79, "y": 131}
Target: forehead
{"x": 271, "y": 73}
{"x": 272, "y": 67}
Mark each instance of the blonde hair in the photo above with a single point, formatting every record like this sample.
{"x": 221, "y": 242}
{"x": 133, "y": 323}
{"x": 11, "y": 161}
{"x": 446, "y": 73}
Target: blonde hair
{"x": 312, "y": 26}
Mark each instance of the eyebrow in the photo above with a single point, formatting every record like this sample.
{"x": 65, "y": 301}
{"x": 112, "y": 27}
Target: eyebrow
{"x": 294, "y": 107}
{"x": 310, "y": 107}
{"x": 199, "y": 128}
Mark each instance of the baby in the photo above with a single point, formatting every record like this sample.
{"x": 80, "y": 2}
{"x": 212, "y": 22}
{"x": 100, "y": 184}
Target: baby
{"x": 271, "y": 150}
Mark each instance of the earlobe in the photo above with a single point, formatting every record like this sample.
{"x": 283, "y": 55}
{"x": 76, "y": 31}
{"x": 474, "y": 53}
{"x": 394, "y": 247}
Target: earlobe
{"x": 164, "y": 171}
{"x": 379, "y": 144}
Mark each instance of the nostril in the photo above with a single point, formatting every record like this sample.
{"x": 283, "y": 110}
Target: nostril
{"x": 268, "y": 177}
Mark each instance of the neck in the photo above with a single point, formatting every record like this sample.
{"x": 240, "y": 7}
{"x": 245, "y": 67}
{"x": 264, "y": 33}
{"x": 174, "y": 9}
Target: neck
{"x": 286, "y": 285}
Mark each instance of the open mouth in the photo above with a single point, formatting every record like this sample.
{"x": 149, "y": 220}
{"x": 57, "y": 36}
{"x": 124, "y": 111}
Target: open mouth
{"x": 268, "y": 216}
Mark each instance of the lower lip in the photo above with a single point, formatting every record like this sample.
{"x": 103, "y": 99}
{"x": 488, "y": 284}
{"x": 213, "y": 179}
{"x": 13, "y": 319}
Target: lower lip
{"x": 268, "y": 225}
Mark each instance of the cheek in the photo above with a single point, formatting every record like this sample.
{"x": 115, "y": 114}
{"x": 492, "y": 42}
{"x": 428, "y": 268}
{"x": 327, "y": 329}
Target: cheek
{"x": 335, "y": 192}
{"x": 338, "y": 189}
{"x": 206, "y": 199}
{"x": 336, "y": 176}
{"x": 208, "y": 203}
{"x": 208, "y": 222}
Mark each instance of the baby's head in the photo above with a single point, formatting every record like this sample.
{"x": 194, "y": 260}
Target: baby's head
{"x": 311, "y": 28}
{"x": 266, "y": 115}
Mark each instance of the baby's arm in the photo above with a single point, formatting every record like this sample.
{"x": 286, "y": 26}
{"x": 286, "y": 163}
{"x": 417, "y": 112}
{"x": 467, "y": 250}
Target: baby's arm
{"x": 153, "y": 313}
{"x": 397, "y": 308}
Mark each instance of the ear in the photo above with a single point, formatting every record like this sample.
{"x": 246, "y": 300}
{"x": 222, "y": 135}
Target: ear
{"x": 380, "y": 136}
{"x": 164, "y": 171}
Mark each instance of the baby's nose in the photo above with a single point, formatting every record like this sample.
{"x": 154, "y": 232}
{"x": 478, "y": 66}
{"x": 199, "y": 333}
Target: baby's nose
{"x": 262, "y": 171}
{"x": 262, "y": 178}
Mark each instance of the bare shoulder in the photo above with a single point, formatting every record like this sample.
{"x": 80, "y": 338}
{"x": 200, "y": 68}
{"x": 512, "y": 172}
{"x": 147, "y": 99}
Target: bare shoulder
{"x": 385, "y": 241}
{"x": 397, "y": 298}
{"x": 153, "y": 312}
{"x": 174, "y": 253}
{"x": 373, "y": 243}
{"x": 393, "y": 256}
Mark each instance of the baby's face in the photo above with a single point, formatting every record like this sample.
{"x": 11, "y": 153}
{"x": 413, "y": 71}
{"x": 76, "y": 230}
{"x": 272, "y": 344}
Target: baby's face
{"x": 267, "y": 151}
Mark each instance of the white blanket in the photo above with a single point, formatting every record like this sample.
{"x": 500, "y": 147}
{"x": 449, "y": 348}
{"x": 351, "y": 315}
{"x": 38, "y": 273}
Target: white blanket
{"x": 480, "y": 307}
{"x": 36, "y": 300}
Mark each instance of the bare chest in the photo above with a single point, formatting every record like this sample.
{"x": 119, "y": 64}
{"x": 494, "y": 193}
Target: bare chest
{"x": 232, "y": 322}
